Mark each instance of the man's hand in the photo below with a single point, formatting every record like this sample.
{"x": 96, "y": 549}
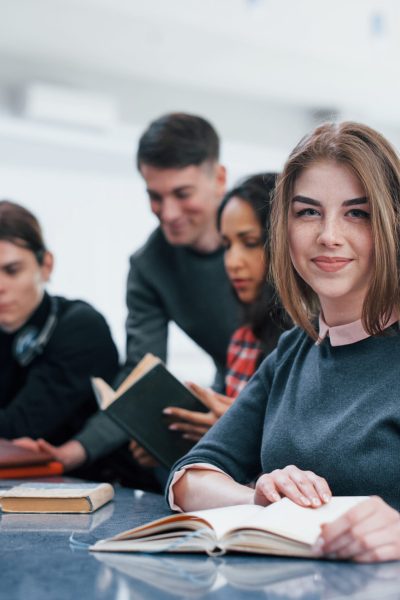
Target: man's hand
{"x": 71, "y": 454}
{"x": 193, "y": 424}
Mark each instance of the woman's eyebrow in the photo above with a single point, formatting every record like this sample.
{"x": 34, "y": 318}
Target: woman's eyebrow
{"x": 306, "y": 200}
{"x": 312, "y": 202}
{"x": 354, "y": 201}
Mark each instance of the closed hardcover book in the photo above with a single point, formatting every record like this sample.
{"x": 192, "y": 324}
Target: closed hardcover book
{"x": 56, "y": 497}
{"x": 137, "y": 407}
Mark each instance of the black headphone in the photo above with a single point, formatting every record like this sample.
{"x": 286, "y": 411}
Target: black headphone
{"x": 31, "y": 341}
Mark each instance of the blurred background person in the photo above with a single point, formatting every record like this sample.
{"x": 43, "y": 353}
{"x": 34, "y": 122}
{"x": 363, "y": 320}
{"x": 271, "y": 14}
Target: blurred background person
{"x": 243, "y": 222}
{"x": 50, "y": 346}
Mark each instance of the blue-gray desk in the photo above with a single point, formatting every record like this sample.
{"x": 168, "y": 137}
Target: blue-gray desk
{"x": 38, "y": 562}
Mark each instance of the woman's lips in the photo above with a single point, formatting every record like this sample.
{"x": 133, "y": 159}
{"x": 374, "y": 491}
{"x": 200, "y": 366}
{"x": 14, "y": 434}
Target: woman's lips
{"x": 331, "y": 264}
{"x": 240, "y": 283}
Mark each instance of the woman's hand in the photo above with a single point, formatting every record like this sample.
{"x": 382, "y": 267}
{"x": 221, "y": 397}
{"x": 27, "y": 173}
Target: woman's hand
{"x": 71, "y": 454}
{"x": 368, "y": 532}
{"x": 193, "y": 424}
{"x": 141, "y": 455}
{"x": 303, "y": 487}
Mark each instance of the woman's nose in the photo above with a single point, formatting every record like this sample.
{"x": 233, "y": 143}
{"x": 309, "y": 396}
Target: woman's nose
{"x": 330, "y": 233}
{"x": 233, "y": 258}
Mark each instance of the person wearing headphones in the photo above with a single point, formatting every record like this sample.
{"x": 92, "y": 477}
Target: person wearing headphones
{"x": 49, "y": 346}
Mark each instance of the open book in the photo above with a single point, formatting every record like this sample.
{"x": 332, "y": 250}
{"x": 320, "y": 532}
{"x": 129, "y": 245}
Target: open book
{"x": 283, "y": 528}
{"x": 137, "y": 405}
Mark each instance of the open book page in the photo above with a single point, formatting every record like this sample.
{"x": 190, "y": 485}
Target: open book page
{"x": 176, "y": 533}
{"x": 104, "y": 393}
{"x": 223, "y": 520}
{"x": 148, "y": 362}
{"x": 289, "y": 520}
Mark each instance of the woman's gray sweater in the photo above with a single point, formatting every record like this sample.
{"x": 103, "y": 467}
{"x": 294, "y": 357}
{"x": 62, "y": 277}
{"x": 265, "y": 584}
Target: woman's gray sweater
{"x": 332, "y": 410}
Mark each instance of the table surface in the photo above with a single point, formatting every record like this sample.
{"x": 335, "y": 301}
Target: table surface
{"x": 40, "y": 560}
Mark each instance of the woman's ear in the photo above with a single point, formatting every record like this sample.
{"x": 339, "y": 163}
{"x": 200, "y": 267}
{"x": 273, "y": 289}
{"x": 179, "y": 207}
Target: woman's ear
{"x": 47, "y": 266}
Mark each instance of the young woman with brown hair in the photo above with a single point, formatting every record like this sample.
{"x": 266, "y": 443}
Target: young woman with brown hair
{"x": 321, "y": 415}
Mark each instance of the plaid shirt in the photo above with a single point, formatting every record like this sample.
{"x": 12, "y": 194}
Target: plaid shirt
{"x": 243, "y": 356}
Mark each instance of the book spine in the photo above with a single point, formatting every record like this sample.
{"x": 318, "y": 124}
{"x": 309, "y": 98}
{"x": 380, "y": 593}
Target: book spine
{"x": 52, "y": 468}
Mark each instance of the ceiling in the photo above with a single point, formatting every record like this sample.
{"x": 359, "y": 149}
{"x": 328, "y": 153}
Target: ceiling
{"x": 295, "y": 59}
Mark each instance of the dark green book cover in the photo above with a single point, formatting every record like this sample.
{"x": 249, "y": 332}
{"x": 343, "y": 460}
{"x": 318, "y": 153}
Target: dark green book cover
{"x": 139, "y": 412}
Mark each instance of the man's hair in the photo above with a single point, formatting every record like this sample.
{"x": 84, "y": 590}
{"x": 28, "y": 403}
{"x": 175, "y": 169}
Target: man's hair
{"x": 375, "y": 162}
{"x": 20, "y": 227}
{"x": 178, "y": 140}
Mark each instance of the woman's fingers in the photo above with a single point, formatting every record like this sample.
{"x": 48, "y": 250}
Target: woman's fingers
{"x": 265, "y": 490}
{"x": 368, "y": 532}
{"x": 303, "y": 487}
{"x": 193, "y": 437}
{"x": 142, "y": 456}
{"x": 312, "y": 487}
{"x": 189, "y": 416}
{"x": 217, "y": 403}
{"x": 189, "y": 428}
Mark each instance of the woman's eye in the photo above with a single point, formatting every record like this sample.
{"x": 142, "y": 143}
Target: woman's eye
{"x": 307, "y": 212}
{"x": 358, "y": 213}
{"x": 252, "y": 243}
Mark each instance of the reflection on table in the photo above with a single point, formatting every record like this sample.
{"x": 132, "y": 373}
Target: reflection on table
{"x": 195, "y": 576}
{"x": 39, "y": 562}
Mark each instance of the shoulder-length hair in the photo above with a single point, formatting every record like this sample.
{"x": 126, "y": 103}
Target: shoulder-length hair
{"x": 264, "y": 315}
{"x": 377, "y": 166}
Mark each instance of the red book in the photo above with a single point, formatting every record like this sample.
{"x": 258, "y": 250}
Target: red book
{"x": 46, "y": 470}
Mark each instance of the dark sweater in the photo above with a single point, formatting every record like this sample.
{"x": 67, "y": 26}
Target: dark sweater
{"x": 332, "y": 410}
{"x": 51, "y": 397}
{"x": 170, "y": 283}
{"x": 175, "y": 283}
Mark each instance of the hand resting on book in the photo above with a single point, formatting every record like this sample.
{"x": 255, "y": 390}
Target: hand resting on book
{"x": 71, "y": 454}
{"x": 193, "y": 424}
{"x": 303, "y": 487}
{"x": 368, "y": 532}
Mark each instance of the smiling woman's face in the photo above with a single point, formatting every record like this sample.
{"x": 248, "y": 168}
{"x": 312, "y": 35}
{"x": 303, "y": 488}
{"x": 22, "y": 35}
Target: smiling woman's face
{"x": 330, "y": 238}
